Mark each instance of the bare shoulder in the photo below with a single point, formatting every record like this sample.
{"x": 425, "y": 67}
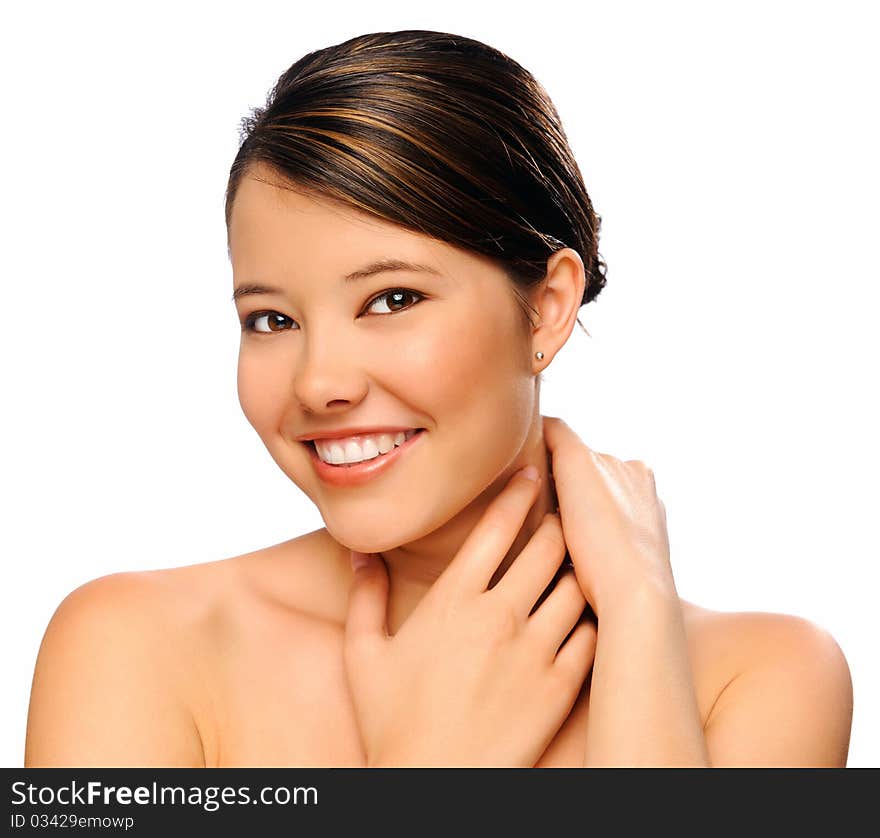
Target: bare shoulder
{"x": 749, "y": 639}
{"x": 104, "y": 692}
{"x": 783, "y": 688}
{"x": 117, "y": 681}
{"x": 127, "y": 669}
{"x": 120, "y": 674}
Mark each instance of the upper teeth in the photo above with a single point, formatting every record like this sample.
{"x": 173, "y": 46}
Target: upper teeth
{"x": 353, "y": 450}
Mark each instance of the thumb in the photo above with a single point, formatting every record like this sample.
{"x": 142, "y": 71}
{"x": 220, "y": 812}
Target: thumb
{"x": 367, "y": 598}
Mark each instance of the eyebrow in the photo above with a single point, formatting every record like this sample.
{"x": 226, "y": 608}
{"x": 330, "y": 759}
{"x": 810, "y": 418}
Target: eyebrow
{"x": 380, "y": 266}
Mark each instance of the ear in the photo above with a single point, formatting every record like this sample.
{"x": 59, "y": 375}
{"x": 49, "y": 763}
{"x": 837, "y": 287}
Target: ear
{"x": 557, "y": 298}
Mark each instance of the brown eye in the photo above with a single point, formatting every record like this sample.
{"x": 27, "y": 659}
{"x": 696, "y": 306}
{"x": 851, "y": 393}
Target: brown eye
{"x": 267, "y": 321}
{"x": 397, "y": 300}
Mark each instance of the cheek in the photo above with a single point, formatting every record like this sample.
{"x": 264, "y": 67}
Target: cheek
{"x": 262, "y": 390}
{"x": 433, "y": 368}
{"x": 468, "y": 378}
{"x": 453, "y": 359}
{"x": 471, "y": 363}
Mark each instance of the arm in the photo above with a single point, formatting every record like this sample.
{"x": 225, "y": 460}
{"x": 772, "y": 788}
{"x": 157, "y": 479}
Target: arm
{"x": 792, "y": 703}
{"x": 791, "y": 707}
{"x": 643, "y": 705}
{"x": 103, "y": 689}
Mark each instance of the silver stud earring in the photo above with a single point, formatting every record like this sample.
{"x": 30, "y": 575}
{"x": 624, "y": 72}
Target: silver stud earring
{"x": 539, "y": 356}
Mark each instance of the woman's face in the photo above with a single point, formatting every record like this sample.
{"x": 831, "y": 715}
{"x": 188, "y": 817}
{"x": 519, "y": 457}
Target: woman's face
{"x": 451, "y": 356}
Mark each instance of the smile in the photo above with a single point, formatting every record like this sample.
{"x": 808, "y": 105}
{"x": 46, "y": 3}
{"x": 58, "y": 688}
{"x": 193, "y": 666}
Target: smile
{"x": 350, "y": 450}
{"x": 355, "y": 474}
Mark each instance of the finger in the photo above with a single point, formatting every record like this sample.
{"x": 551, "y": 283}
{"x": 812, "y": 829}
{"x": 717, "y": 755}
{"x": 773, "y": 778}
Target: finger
{"x": 472, "y": 568}
{"x": 534, "y": 568}
{"x": 365, "y": 619}
{"x": 557, "y": 615}
{"x": 569, "y": 454}
{"x": 557, "y": 432}
{"x": 575, "y": 659}
{"x": 587, "y": 482}
{"x": 566, "y": 446}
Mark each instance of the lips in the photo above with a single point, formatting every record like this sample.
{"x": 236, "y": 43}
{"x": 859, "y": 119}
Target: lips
{"x": 356, "y": 474}
{"x": 333, "y": 450}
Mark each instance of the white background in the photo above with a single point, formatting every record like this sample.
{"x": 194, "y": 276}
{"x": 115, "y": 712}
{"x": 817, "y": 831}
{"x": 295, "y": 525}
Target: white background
{"x": 731, "y": 150}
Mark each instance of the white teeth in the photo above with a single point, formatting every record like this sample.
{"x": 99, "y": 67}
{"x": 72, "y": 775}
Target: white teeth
{"x": 370, "y": 449}
{"x": 338, "y": 452}
{"x": 335, "y": 453}
{"x": 353, "y": 452}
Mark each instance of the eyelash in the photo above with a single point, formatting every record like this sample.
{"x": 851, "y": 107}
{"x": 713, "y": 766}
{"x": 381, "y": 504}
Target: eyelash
{"x": 251, "y": 319}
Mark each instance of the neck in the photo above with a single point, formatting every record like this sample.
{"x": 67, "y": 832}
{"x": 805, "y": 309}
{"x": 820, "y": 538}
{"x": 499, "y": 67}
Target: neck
{"x": 414, "y": 567}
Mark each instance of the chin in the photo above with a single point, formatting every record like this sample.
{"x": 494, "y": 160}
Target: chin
{"x": 369, "y": 539}
{"x": 364, "y": 542}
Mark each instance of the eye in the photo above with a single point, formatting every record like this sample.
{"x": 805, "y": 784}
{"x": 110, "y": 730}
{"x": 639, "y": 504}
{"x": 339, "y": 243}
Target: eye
{"x": 269, "y": 321}
{"x": 266, "y": 322}
{"x": 397, "y": 297}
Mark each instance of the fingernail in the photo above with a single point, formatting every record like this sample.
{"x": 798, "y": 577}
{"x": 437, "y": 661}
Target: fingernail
{"x": 358, "y": 559}
{"x": 530, "y": 472}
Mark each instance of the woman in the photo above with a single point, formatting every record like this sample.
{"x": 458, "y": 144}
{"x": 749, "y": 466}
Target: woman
{"x": 411, "y": 240}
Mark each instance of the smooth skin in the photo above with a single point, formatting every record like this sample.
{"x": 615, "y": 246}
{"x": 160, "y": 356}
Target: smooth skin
{"x": 788, "y": 703}
{"x": 500, "y": 678}
{"x": 452, "y": 356}
{"x": 217, "y": 665}
{"x": 285, "y": 656}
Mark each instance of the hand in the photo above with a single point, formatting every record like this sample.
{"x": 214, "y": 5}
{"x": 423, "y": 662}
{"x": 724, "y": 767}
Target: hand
{"x": 614, "y": 523}
{"x": 472, "y": 677}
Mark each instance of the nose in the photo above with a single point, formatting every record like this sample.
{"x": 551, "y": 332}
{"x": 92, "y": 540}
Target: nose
{"x": 328, "y": 376}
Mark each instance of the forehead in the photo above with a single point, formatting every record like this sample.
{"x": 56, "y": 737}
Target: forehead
{"x": 270, "y": 222}
{"x": 278, "y": 232}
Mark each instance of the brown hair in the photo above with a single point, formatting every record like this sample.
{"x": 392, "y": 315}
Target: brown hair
{"x": 438, "y": 133}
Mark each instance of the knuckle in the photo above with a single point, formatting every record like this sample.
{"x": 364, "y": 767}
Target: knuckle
{"x": 582, "y": 643}
{"x": 495, "y": 524}
{"x": 550, "y": 532}
{"x": 504, "y": 620}
{"x": 568, "y": 671}
{"x": 506, "y": 510}
{"x": 570, "y": 589}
